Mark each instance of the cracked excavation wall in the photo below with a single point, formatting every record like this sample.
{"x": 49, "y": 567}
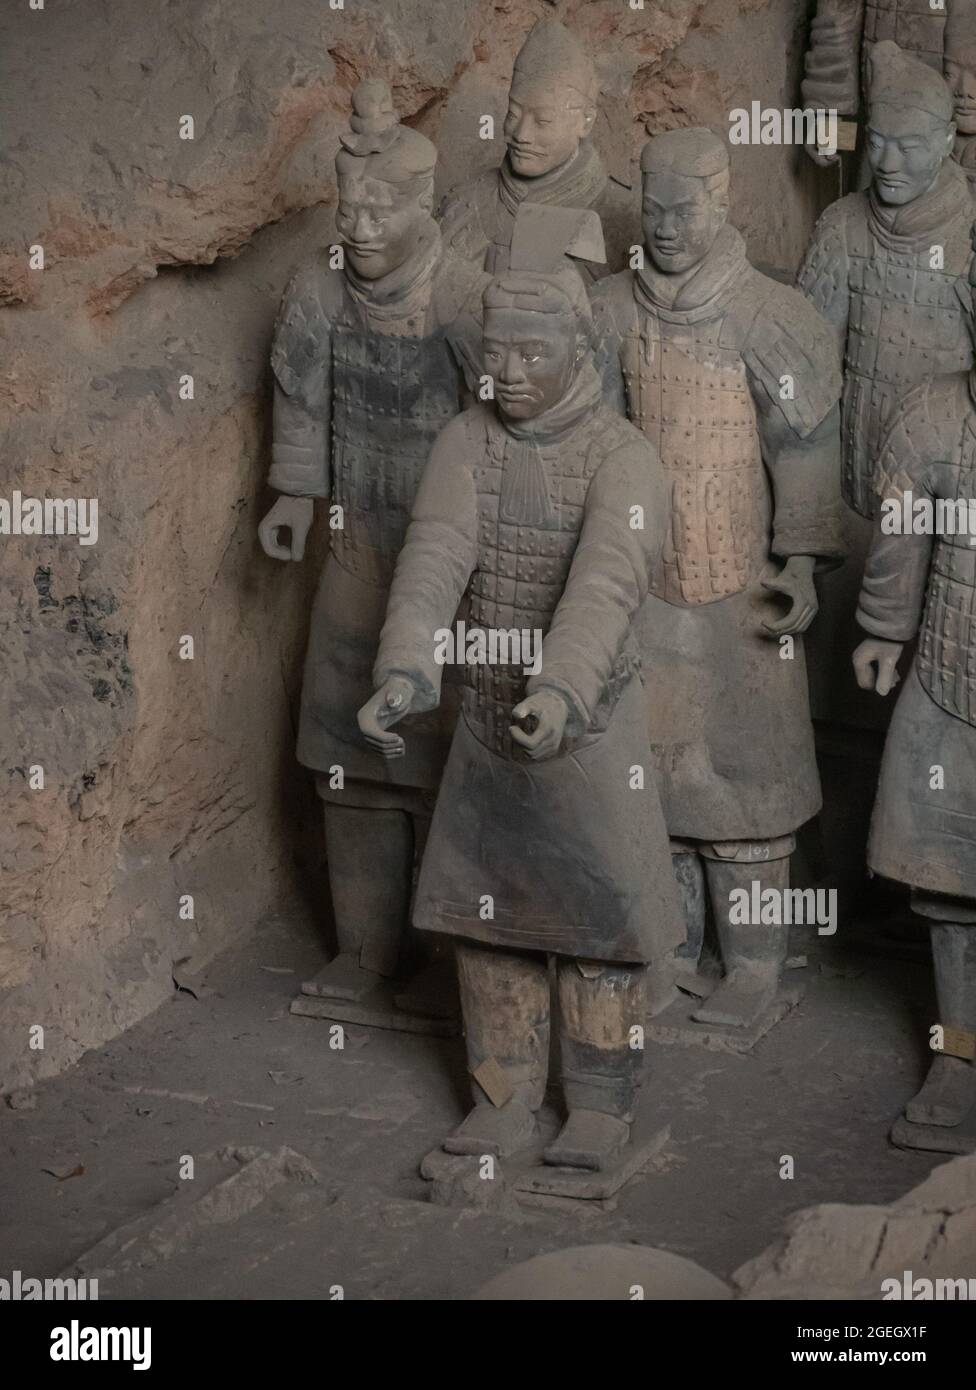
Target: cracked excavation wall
{"x": 165, "y": 257}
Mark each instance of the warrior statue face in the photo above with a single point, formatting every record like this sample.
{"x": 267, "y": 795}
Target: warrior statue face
{"x": 681, "y": 217}
{"x": 532, "y": 358}
{"x": 906, "y": 148}
{"x": 545, "y": 123}
{"x": 380, "y": 225}
{"x": 960, "y": 74}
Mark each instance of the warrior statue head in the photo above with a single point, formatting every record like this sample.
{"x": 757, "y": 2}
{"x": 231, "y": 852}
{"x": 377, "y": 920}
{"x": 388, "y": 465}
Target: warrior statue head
{"x": 385, "y": 173}
{"x": 551, "y": 102}
{"x": 685, "y": 176}
{"x": 910, "y": 129}
{"x": 538, "y": 329}
{"x": 960, "y": 63}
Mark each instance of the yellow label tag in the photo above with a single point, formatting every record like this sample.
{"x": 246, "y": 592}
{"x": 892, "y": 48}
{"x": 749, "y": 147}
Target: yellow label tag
{"x": 846, "y": 135}
{"x": 958, "y": 1043}
{"x": 493, "y": 1082}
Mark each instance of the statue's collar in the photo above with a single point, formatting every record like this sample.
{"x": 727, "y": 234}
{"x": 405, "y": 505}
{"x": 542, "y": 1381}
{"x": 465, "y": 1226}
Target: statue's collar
{"x": 577, "y": 183}
{"x": 700, "y": 294}
{"x": 914, "y": 222}
{"x": 393, "y": 294}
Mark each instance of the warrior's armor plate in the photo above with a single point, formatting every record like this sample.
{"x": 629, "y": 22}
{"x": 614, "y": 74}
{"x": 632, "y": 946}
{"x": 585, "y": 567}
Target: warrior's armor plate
{"x": 689, "y": 393}
{"x": 916, "y": 26}
{"x": 691, "y": 381}
{"x": 902, "y": 320}
{"x": 391, "y": 397}
{"x": 522, "y": 568}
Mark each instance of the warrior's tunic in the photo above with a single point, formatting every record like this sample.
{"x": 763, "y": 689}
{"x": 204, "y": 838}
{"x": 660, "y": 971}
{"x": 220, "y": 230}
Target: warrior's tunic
{"x": 569, "y": 854}
{"x": 925, "y": 834}
{"x": 876, "y": 274}
{"x": 367, "y": 374}
{"x": 726, "y": 377}
{"x": 478, "y": 218}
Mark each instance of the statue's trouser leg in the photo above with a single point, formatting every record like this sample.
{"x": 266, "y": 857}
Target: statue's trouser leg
{"x": 505, "y": 1006}
{"x": 686, "y": 864}
{"x": 371, "y": 853}
{"x": 752, "y": 952}
{"x": 949, "y": 1091}
{"x": 600, "y": 1005}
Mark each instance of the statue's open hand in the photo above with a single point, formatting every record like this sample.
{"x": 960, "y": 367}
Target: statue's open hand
{"x": 875, "y": 664}
{"x": 390, "y": 703}
{"x": 540, "y": 722}
{"x": 795, "y": 581}
{"x": 294, "y": 514}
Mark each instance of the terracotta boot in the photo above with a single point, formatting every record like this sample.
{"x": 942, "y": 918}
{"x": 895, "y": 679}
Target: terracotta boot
{"x": 505, "y": 1004}
{"x": 752, "y": 954}
{"x": 599, "y": 1005}
{"x": 949, "y": 1092}
{"x": 371, "y": 853}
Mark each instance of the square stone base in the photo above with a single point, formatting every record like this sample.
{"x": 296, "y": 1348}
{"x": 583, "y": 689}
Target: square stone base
{"x": 939, "y": 1139}
{"x": 523, "y": 1178}
{"x": 426, "y": 1003}
{"x": 676, "y": 1025}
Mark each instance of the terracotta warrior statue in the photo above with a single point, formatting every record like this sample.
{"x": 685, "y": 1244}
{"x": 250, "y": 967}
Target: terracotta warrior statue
{"x": 550, "y": 158}
{"x": 369, "y": 363}
{"x": 547, "y": 840}
{"x": 843, "y": 35}
{"x": 731, "y": 377}
{"x": 960, "y": 72}
{"x": 883, "y": 265}
{"x": 921, "y": 580}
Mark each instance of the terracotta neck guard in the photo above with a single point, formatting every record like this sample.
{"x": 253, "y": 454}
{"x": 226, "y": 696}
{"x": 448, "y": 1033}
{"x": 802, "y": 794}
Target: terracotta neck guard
{"x": 916, "y": 221}
{"x": 704, "y": 290}
{"x": 405, "y": 289}
{"x": 576, "y": 184}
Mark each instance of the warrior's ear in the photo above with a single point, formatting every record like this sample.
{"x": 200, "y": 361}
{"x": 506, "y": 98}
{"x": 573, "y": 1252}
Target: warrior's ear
{"x": 589, "y": 119}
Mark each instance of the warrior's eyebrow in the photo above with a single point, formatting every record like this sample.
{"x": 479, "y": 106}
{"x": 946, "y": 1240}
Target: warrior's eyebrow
{"x": 675, "y": 207}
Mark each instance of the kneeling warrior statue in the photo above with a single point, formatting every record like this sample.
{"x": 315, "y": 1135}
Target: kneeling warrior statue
{"x": 731, "y": 377}
{"x": 923, "y": 581}
{"x": 370, "y": 361}
{"x": 547, "y": 839}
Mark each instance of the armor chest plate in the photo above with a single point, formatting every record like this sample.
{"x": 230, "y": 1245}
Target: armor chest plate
{"x": 906, "y": 325}
{"x": 690, "y": 395}
{"x": 914, "y": 25}
{"x": 522, "y": 566}
{"x": 947, "y": 640}
{"x": 391, "y": 398}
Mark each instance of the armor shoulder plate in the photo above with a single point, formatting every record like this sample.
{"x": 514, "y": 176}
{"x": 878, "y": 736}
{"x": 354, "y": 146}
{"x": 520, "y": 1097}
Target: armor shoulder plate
{"x": 612, "y": 302}
{"x": 301, "y": 329}
{"x": 461, "y": 212}
{"x": 790, "y": 354}
{"x": 824, "y": 270}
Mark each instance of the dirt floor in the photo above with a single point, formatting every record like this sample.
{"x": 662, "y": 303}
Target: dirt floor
{"x": 102, "y": 1146}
